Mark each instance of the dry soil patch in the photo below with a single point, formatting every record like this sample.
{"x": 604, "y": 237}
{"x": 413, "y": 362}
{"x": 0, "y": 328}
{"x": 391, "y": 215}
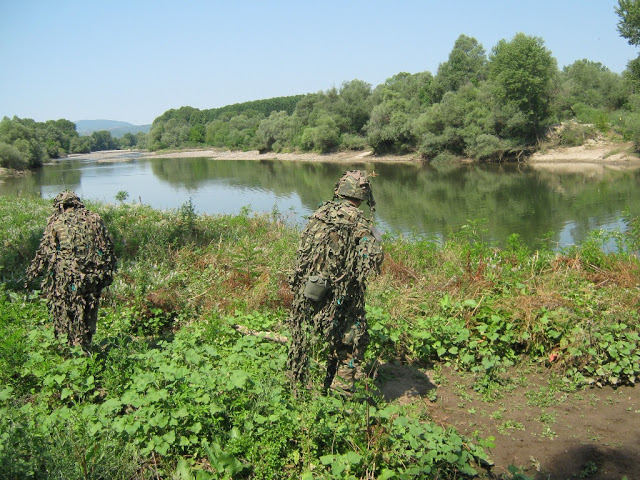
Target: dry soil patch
{"x": 551, "y": 433}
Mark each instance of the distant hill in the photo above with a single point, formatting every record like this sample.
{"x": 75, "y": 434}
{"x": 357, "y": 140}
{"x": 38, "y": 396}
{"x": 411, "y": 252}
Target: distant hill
{"x": 115, "y": 127}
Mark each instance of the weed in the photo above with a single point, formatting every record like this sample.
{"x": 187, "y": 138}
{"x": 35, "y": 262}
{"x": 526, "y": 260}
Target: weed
{"x": 122, "y": 195}
{"x": 547, "y": 432}
{"x": 547, "y": 418}
{"x": 588, "y": 470}
{"x": 509, "y": 425}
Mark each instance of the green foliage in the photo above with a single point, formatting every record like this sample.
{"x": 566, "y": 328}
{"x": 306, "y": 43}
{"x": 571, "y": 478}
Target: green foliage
{"x": 35, "y": 141}
{"x": 467, "y": 63}
{"x": 11, "y": 157}
{"x": 632, "y": 232}
{"x": 30, "y": 143}
{"x": 574, "y": 134}
{"x": 521, "y": 73}
{"x": 629, "y": 23}
{"x": 350, "y": 141}
{"x": 323, "y": 138}
{"x": 122, "y": 195}
{"x": 389, "y": 129}
{"x": 589, "y": 84}
{"x": 232, "y": 126}
{"x": 210, "y": 402}
{"x": 24, "y": 220}
{"x": 275, "y": 132}
{"x": 102, "y": 140}
{"x": 128, "y": 140}
{"x": 461, "y": 124}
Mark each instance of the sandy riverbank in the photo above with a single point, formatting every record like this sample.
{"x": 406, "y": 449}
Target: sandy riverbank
{"x": 609, "y": 154}
{"x": 344, "y": 157}
{"x": 593, "y": 155}
{"x": 596, "y": 155}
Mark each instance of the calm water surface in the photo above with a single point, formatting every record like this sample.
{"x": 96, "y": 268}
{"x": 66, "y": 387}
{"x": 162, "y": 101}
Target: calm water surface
{"x": 563, "y": 205}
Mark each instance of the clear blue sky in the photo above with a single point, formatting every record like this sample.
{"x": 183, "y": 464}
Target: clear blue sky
{"x": 133, "y": 60}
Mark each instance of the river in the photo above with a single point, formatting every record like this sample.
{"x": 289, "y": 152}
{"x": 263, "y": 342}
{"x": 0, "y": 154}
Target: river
{"x": 542, "y": 206}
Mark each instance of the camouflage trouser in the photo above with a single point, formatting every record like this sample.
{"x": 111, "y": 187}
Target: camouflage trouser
{"x": 76, "y": 317}
{"x": 346, "y": 347}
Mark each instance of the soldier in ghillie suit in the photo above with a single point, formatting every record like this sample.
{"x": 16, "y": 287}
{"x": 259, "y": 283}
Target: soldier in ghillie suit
{"x": 339, "y": 248}
{"x": 77, "y": 261}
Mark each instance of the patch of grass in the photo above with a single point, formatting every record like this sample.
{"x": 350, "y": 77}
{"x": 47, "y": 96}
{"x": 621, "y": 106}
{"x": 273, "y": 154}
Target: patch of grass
{"x": 509, "y": 425}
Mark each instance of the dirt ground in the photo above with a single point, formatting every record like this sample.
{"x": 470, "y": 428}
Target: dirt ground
{"x": 549, "y": 433}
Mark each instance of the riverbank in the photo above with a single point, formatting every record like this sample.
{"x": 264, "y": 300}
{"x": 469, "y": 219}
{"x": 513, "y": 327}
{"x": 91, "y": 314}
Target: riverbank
{"x": 340, "y": 157}
{"x": 593, "y": 155}
{"x": 601, "y": 153}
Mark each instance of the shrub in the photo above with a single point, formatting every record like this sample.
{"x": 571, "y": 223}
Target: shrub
{"x": 352, "y": 142}
{"x": 11, "y": 157}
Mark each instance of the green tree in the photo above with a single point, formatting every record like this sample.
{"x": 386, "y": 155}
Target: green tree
{"x": 11, "y": 157}
{"x": 586, "y": 85}
{"x": 629, "y": 23}
{"x": 354, "y": 105}
{"x": 461, "y": 124}
{"x": 217, "y": 133}
{"x": 467, "y": 63}
{"x": 414, "y": 88}
{"x": 197, "y": 133}
{"x": 324, "y": 137}
{"x": 102, "y": 140}
{"x": 397, "y": 103}
{"x": 276, "y": 132}
{"x": 32, "y": 150}
{"x": 522, "y": 72}
{"x": 128, "y": 140}
{"x": 81, "y": 144}
{"x": 390, "y": 128}
{"x": 629, "y": 28}
{"x": 142, "y": 140}
{"x": 305, "y": 107}
{"x": 242, "y": 131}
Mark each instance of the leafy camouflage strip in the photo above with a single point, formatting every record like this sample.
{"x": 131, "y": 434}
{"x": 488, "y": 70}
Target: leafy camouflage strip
{"x": 338, "y": 243}
{"x": 76, "y": 259}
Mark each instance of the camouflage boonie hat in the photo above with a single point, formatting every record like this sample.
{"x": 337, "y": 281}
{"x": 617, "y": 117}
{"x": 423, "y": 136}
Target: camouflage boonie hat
{"x": 354, "y": 184}
{"x": 67, "y": 199}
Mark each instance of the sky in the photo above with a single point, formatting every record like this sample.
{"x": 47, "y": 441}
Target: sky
{"x": 132, "y": 60}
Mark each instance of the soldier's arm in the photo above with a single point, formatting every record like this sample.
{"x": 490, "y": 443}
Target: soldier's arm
{"x": 105, "y": 251}
{"x": 369, "y": 246}
{"x": 45, "y": 253}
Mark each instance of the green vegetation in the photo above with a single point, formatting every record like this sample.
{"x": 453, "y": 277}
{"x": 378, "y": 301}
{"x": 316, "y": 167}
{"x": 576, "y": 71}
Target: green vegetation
{"x": 487, "y": 107}
{"x": 25, "y": 143}
{"x": 173, "y": 390}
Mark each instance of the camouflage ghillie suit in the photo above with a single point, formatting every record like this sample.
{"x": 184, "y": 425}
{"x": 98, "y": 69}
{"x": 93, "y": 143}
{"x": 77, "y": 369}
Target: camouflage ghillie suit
{"x": 77, "y": 261}
{"x": 338, "y": 249}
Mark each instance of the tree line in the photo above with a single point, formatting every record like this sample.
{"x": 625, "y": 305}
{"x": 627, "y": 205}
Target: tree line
{"x": 25, "y": 143}
{"x": 478, "y": 105}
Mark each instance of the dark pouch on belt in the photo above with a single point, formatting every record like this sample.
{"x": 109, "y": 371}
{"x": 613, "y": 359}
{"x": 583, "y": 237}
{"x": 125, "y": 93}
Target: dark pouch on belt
{"x": 316, "y": 287}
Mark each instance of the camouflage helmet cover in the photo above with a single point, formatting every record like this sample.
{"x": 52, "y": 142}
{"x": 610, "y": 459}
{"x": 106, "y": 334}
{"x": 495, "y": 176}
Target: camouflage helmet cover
{"x": 67, "y": 199}
{"x": 354, "y": 184}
